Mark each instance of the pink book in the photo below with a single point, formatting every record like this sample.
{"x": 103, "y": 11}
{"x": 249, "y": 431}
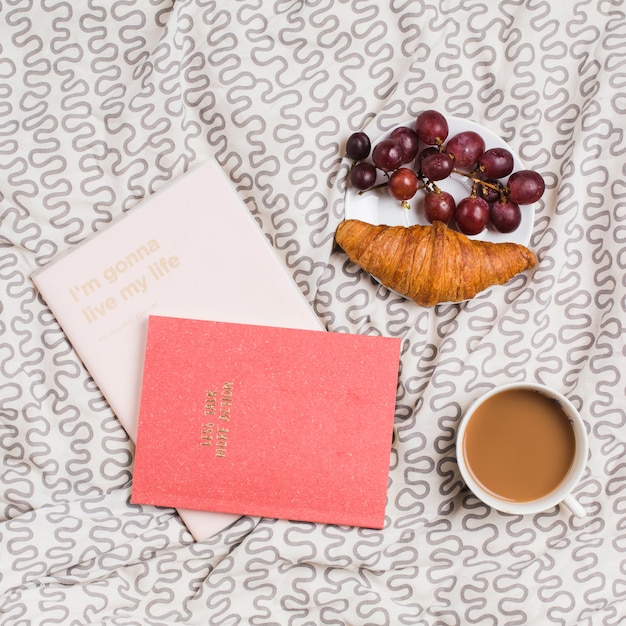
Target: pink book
{"x": 190, "y": 250}
{"x": 266, "y": 421}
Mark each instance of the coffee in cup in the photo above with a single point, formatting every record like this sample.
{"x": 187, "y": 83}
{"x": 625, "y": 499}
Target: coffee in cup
{"x": 522, "y": 448}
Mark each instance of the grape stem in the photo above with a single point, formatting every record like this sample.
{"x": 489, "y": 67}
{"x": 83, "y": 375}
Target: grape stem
{"x": 379, "y": 186}
{"x": 428, "y": 186}
{"x": 479, "y": 181}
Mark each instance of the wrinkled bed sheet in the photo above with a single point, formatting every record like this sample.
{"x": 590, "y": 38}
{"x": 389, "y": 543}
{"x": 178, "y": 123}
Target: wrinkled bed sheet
{"x": 102, "y": 103}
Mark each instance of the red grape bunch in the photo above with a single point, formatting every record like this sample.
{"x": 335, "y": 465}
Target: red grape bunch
{"x": 418, "y": 158}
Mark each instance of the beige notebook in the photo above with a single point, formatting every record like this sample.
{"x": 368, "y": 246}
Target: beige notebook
{"x": 191, "y": 250}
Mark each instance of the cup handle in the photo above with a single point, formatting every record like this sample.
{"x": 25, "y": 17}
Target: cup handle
{"x": 574, "y": 506}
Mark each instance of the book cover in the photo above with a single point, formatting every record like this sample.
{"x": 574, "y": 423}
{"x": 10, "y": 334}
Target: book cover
{"x": 193, "y": 250}
{"x": 266, "y": 421}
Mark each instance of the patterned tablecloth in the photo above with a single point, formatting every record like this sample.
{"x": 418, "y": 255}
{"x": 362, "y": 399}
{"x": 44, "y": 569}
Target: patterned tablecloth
{"x": 102, "y": 103}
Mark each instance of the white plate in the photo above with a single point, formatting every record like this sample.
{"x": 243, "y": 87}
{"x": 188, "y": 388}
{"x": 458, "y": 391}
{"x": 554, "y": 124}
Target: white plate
{"x": 378, "y": 207}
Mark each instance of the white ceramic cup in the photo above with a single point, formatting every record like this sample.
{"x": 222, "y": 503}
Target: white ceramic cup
{"x": 562, "y": 494}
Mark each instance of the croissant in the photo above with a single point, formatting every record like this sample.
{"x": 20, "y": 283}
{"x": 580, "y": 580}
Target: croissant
{"x": 431, "y": 264}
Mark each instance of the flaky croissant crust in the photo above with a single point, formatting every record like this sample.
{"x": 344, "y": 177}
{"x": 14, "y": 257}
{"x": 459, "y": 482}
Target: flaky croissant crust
{"x": 431, "y": 264}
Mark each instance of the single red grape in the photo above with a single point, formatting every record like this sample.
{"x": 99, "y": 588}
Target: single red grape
{"x": 496, "y": 163}
{"x": 492, "y": 191}
{"x": 505, "y": 216}
{"x": 387, "y": 155}
{"x": 437, "y": 166}
{"x": 425, "y": 152}
{"x": 363, "y": 175}
{"x": 525, "y": 186}
{"x": 431, "y": 127}
{"x": 439, "y": 205}
{"x": 465, "y": 148}
{"x": 472, "y": 215}
{"x": 358, "y": 146}
{"x": 407, "y": 138}
{"x": 403, "y": 184}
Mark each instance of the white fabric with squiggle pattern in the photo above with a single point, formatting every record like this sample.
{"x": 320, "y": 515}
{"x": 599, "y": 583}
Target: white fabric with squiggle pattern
{"x": 102, "y": 103}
